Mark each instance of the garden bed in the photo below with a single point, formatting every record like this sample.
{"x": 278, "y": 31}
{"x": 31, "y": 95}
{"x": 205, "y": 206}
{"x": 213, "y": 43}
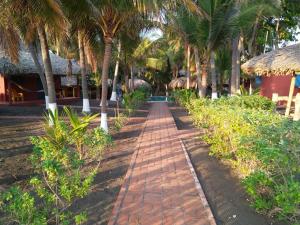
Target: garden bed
{"x": 225, "y": 194}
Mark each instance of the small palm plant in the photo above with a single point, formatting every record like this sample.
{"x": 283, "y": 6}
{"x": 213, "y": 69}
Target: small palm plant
{"x": 65, "y": 161}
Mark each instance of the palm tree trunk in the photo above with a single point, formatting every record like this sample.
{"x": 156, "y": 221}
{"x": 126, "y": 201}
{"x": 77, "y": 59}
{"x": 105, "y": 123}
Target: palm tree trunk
{"x": 126, "y": 72}
{"x": 238, "y": 65}
{"x": 214, "y": 93}
{"x": 277, "y": 34}
{"x": 40, "y": 70}
{"x": 203, "y": 86}
{"x": 234, "y": 58}
{"x": 86, "y": 103}
{"x": 221, "y": 82}
{"x": 266, "y": 40}
{"x": 114, "y": 89}
{"x": 132, "y": 78}
{"x": 48, "y": 68}
{"x": 198, "y": 68}
{"x": 105, "y": 68}
{"x": 188, "y": 66}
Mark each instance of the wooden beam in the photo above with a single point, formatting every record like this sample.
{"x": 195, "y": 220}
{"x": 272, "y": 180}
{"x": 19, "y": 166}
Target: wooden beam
{"x": 297, "y": 108}
{"x": 291, "y": 93}
{"x": 9, "y": 91}
{"x": 275, "y": 97}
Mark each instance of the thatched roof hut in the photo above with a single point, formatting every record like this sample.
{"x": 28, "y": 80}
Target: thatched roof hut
{"x": 181, "y": 82}
{"x": 280, "y": 62}
{"x": 139, "y": 83}
{"x": 27, "y": 66}
{"x": 278, "y": 68}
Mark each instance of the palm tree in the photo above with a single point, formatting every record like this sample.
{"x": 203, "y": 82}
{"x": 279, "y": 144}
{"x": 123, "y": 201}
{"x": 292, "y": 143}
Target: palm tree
{"x": 111, "y": 17}
{"x": 14, "y": 30}
{"x": 249, "y": 15}
{"x": 81, "y": 13}
{"x": 114, "y": 93}
{"x": 223, "y": 65}
{"x": 48, "y": 67}
{"x": 32, "y": 47}
{"x": 205, "y": 34}
{"x": 39, "y": 15}
{"x": 84, "y": 86}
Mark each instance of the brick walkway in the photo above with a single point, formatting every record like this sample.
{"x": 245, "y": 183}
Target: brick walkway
{"x": 159, "y": 187}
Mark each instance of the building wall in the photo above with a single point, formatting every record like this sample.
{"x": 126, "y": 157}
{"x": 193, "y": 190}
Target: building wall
{"x": 276, "y": 84}
{"x": 29, "y": 85}
{"x": 28, "y": 82}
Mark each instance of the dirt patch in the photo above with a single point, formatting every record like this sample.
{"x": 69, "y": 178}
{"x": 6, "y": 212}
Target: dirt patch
{"x": 226, "y": 196}
{"x": 18, "y": 123}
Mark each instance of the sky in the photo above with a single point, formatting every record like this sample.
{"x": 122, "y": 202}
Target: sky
{"x": 153, "y": 34}
{"x": 156, "y": 33}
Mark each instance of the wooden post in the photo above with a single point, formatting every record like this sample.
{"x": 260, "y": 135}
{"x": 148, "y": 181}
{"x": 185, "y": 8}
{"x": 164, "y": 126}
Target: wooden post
{"x": 275, "y": 97}
{"x": 297, "y": 108}
{"x": 9, "y": 91}
{"x": 291, "y": 93}
{"x": 78, "y": 87}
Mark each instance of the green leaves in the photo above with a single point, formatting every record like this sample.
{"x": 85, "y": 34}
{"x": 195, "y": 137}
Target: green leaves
{"x": 258, "y": 143}
{"x": 21, "y": 206}
{"x": 59, "y": 159}
{"x": 134, "y": 99}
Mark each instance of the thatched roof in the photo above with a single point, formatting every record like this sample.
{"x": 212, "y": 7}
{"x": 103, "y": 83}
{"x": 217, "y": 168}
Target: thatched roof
{"x": 181, "y": 82}
{"x": 139, "y": 83}
{"x": 279, "y": 62}
{"x": 27, "y": 66}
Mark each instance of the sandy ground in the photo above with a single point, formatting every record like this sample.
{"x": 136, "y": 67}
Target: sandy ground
{"x": 226, "y": 196}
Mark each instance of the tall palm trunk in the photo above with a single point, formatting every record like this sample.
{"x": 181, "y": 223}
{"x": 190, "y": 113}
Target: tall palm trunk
{"x": 214, "y": 93}
{"x": 40, "y": 70}
{"x": 238, "y": 65}
{"x": 105, "y": 68}
{"x": 188, "y": 56}
{"x": 86, "y": 103}
{"x": 198, "y": 68}
{"x": 277, "y": 34}
{"x": 48, "y": 68}
{"x": 126, "y": 73}
{"x": 114, "y": 89}
{"x": 203, "y": 80}
{"x": 234, "y": 58}
{"x": 132, "y": 79}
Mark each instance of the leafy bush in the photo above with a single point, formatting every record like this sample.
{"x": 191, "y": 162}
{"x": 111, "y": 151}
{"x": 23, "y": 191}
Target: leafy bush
{"x": 119, "y": 121}
{"x": 184, "y": 96}
{"x": 249, "y": 102}
{"x": 133, "y": 99}
{"x": 60, "y": 161}
{"x": 261, "y": 145}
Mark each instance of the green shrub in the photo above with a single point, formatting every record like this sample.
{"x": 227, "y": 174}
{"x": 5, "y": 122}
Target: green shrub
{"x": 133, "y": 99}
{"x": 248, "y": 102}
{"x": 60, "y": 161}
{"x": 261, "y": 145}
{"x": 184, "y": 96}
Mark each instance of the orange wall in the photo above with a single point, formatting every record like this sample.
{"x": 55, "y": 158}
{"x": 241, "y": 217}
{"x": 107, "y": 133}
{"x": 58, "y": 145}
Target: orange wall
{"x": 276, "y": 84}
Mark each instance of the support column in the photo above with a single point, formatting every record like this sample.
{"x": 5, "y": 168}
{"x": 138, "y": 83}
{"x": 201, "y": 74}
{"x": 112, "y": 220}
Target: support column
{"x": 297, "y": 108}
{"x": 9, "y": 91}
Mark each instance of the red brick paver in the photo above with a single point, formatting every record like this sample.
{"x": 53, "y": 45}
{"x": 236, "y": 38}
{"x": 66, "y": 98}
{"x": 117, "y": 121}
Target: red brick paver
{"x": 159, "y": 187}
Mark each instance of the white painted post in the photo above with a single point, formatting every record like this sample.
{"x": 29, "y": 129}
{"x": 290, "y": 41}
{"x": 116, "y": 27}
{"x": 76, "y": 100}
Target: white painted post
{"x": 275, "y": 97}
{"x": 297, "y": 108}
